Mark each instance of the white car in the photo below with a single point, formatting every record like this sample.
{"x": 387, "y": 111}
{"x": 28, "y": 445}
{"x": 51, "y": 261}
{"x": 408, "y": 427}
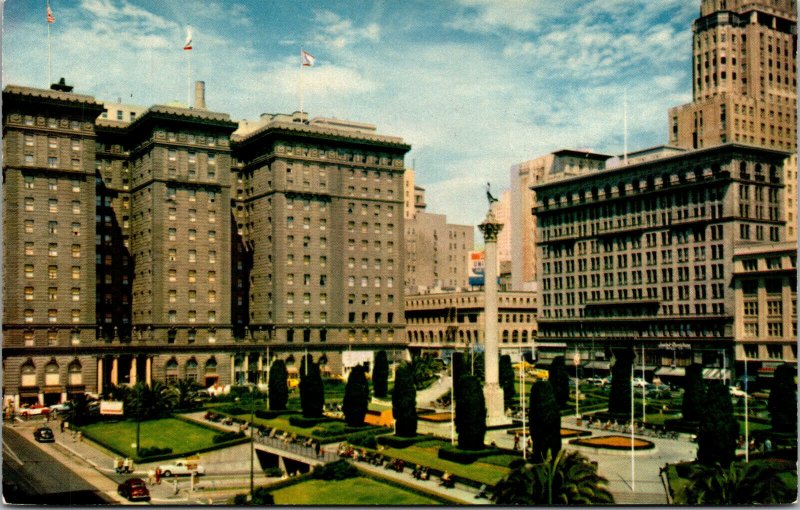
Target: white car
{"x": 181, "y": 468}
{"x": 737, "y": 392}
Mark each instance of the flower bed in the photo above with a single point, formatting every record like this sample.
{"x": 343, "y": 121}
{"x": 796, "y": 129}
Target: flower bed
{"x": 437, "y": 417}
{"x": 614, "y": 443}
{"x": 565, "y": 433}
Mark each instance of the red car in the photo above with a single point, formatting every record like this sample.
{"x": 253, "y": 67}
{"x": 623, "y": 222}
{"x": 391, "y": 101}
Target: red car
{"x": 134, "y": 489}
{"x": 34, "y": 410}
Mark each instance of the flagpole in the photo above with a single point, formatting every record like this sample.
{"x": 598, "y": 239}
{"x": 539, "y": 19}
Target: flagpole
{"x": 189, "y": 82}
{"x": 301, "y": 83}
{"x": 49, "y": 59}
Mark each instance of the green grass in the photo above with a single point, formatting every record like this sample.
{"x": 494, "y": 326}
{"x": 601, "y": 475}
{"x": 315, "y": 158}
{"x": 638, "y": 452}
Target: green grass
{"x": 676, "y": 483}
{"x": 181, "y": 436}
{"x": 426, "y": 454}
{"x": 354, "y": 491}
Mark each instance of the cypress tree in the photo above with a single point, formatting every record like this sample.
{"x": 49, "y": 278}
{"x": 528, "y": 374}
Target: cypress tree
{"x": 356, "y": 397}
{"x": 694, "y": 395}
{"x": 544, "y": 421}
{"x": 782, "y": 402}
{"x": 718, "y": 431}
{"x": 404, "y": 402}
{"x": 470, "y": 414}
{"x": 557, "y": 375}
{"x": 312, "y": 392}
{"x": 507, "y": 379}
{"x": 619, "y": 400}
{"x": 278, "y": 387}
{"x": 380, "y": 375}
{"x": 459, "y": 370}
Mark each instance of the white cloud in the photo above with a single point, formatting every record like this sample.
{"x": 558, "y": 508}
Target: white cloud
{"x": 337, "y": 32}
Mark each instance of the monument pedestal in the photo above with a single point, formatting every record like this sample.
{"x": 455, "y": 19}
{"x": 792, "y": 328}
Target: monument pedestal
{"x": 495, "y": 409}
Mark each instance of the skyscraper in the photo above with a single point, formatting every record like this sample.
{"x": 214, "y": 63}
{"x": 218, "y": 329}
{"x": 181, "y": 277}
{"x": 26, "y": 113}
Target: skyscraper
{"x": 744, "y": 76}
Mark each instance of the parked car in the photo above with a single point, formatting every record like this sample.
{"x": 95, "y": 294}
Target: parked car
{"x": 34, "y": 410}
{"x": 738, "y": 392}
{"x": 181, "y": 468}
{"x": 638, "y": 382}
{"x": 63, "y": 407}
{"x": 44, "y": 435}
{"x": 134, "y": 489}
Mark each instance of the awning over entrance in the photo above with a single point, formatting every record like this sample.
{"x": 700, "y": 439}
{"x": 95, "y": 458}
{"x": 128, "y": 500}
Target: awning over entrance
{"x": 598, "y": 365}
{"x": 671, "y": 371}
{"x": 716, "y": 373}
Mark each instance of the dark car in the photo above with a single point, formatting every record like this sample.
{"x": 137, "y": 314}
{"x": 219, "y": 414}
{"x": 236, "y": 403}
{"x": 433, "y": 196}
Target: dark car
{"x": 134, "y": 489}
{"x": 44, "y": 435}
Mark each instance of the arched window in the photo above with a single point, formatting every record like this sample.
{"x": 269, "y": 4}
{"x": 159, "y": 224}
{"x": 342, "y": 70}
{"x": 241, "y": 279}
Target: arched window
{"x": 75, "y": 371}
{"x": 524, "y": 336}
{"x": 505, "y": 336}
{"x": 514, "y": 336}
{"x": 51, "y": 374}
{"x": 171, "y": 371}
{"x": 27, "y": 375}
{"x": 211, "y": 366}
{"x": 191, "y": 369}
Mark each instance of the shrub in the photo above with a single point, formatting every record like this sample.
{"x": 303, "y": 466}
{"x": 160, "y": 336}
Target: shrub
{"x": 380, "y": 375}
{"x": 782, "y": 402}
{"x": 557, "y": 375}
{"x": 470, "y": 414}
{"x": 269, "y": 415}
{"x": 234, "y": 410}
{"x": 273, "y": 472}
{"x": 278, "y": 387}
{"x": 454, "y": 454}
{"x": 312, "y": 391}
{"x": 404, "y": 402}
{"x": 365, "y": 439}
{"x": 226, "y": 436}
{"x": 331, "y": 429}
{"x": 356, "y": 397}
{"x": 619, "y": 400}
{"x": 694, "y": 395}
{"x": 339, "y": 470}
{"x": 151, "y": 451}
{"x": 507, "y": 380}
{"x": 716, "y": 438}
{"x": 544, "y": 421}
{"x": 399, "y": 442}
{"x": 305, "y": 422}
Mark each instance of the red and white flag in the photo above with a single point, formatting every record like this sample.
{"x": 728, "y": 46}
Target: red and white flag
{"x": 306, "y": 58}
{"x": 50, "y": 17}
{"x": 188, "y": 44}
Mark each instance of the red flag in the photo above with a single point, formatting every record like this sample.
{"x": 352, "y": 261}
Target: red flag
{"x": 50, "y": 17}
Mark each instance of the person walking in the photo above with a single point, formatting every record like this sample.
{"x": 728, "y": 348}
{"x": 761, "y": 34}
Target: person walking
{"x": 317, "y": 448}
{"x": 62, "y": 426}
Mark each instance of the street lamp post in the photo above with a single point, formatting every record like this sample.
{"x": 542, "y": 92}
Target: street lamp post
{"x": 252, "y": 445}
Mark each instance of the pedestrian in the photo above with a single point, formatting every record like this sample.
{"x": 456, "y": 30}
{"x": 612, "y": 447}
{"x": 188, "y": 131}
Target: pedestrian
{"x": 80, "y": 436}
{"x": 175, "y": 485}
{"x": 151, "y": 476}
{"x": 62, "y": 426}
{"x": 317, "y": 448}
{"x": 516, "y": 442}
{"x": 74, "y": 434}
{"x": 768, "y": 445}
{"x": 158, "y": 475}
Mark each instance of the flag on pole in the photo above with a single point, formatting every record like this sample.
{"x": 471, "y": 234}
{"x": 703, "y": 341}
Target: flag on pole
{"x": 50, "y": 17}
{"x": 306, "y": 58}
{"x": 576, "y": 359}
{"x": 188, "y": 44}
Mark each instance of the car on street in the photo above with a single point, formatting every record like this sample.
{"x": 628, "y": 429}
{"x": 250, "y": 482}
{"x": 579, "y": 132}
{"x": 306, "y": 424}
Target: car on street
{"x": 134, "y": 489}
{"x": 63, "y": 407}
{"x": 34, "y": 410}
{"x": 180, "y": 468}
{"x": 44, "y": 435}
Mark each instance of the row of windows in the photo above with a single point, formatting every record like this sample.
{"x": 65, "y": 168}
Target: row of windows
{"x": 376, "y": 245}
{"x": 191, "y": 316}
{"x": 52, "y": 293}
{"x": 52, "y": 183}
{"x": 52, "y": 161}
{"x": 191, "y": 275}
{"x": 52, "y": 315}
{"x": 191, "y": 295}
{"x": 377, "y": 281}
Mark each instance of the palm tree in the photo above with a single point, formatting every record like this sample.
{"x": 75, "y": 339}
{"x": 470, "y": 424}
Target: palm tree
{"x": 740, "y": 483}
{"x": 147, "y": 402}
{"x": 184, "y": 391}
{"x": 567, "y": 479}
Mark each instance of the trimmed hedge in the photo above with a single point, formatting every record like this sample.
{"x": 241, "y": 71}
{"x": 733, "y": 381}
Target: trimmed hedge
{"x": 365, "y": 439}
{"x": 454, "y": 454}
{"x": 339, "y": 470}
{"x": 152, "y": 451}
{"x": 302, "y": 421}
{"x": 227, "y": 436}
{"x": 400, "y": 442}
{"x": 271, "y": 415}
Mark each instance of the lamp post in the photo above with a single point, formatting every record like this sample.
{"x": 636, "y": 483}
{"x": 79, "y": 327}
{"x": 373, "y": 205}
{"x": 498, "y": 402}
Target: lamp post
{"x": 252, "y": 444}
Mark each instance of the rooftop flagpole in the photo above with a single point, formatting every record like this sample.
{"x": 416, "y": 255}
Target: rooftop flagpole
{"x": 306, "y": 60}
{"x": 187, "y": 46}
{"x": 50, "y": 20}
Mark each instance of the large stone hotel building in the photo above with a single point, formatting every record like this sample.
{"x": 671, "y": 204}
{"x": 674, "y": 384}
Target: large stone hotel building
{"x": 166, "y": 242}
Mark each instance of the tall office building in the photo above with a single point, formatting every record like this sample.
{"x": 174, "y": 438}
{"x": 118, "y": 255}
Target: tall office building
{"x": 146, "y": 244}
{"x": 744, "y": 76}
{"x": 553, "y": 166}
{"x": 436, "y": 252}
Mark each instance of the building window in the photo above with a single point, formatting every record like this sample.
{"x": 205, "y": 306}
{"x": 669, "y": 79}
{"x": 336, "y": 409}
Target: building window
{"x": 76, "y": 294}
{"x": 28, "y": 293}
{"x": 52, "y": 316}
{"x": 192, "y": 296}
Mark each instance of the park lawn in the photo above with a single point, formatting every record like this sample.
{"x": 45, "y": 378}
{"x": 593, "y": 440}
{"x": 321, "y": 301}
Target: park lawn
{"x": 353, "y": 491}
{"x": 281, "y": 423}
{"x": 181, "y": 436}
{"x": 426, "y": 453}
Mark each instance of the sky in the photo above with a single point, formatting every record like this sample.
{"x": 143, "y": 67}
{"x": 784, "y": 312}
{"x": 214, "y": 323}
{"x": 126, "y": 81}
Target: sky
{"x": 474, "y": 86}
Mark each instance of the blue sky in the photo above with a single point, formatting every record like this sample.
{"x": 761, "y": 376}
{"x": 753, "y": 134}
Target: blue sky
{"x": 474, "y": 86}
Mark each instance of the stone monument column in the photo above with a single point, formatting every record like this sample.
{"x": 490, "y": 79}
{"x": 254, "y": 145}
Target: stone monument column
{"x": 493, "y": 394}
